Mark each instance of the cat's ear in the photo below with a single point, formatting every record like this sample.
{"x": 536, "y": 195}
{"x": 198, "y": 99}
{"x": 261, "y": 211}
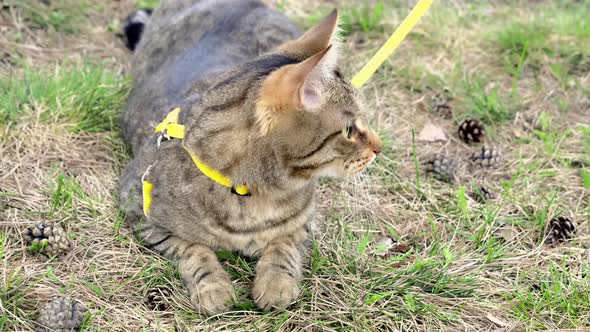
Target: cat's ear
{"x": 312, "y": 74}
{"x": 297, "y": 87}
{"x": 316, "y": 39}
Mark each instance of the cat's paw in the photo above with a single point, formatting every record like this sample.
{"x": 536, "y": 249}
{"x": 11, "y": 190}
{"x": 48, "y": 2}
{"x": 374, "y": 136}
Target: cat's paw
{"x": 275, "y": 291}
{"x": 213, "y": 298}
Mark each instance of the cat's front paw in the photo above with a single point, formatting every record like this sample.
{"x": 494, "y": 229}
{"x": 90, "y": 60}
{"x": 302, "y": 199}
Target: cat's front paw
{"x": 213, "y": 298}
{"x": 275, "y": 291}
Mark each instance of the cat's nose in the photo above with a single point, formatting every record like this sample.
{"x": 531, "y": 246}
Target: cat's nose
{"x": 375, "y": 143}
{"x": 377, "y": 149}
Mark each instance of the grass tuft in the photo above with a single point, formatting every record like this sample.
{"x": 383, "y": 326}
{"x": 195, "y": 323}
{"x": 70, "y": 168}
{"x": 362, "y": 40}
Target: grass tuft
{"x": 487, "y": 104}
{"x": 517, "y": 37}
{"x": 146, "y": 4}
{"x": 64, "y": 16}
{"x": 90, "y": 97}
{"x": 364, "y": 18}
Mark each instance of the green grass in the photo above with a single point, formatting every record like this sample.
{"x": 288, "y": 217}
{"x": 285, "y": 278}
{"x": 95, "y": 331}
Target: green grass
{"x": 38, "y": 247}
{"x": 89, "y": 97}
{"x": 567, "y": 24}
{"x": 489, "y": 104}
{"x": 365, "y": 17}
{"x": 146, "y": 4}
{"x": 65, "y": 16}
{"x": 552, "y": 138}
{"x": 13, "y": 298}
{"x": 559, "y": 292}
{"x": 585, "y": 130}
{"x": 64, "y": 193}
{"x": 559, "y": 30}
{"x": 517, "y": 37}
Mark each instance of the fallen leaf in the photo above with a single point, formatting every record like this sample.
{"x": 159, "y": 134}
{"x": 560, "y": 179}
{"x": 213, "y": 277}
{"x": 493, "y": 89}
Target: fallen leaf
{"x": 382, "y": 247}
{"x": 387, "y": 246}
{"x": 431, "y": 133}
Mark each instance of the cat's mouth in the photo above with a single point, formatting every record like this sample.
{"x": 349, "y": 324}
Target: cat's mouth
{"x": 357, "y": 165}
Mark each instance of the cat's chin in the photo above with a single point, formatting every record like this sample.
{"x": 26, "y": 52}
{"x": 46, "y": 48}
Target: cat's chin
{"x": 330, "y": 173}
{"x": 353, "y": 169}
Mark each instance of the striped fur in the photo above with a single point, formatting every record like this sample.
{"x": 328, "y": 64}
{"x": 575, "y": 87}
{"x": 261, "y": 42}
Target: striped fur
{"x": 271, "y": 111}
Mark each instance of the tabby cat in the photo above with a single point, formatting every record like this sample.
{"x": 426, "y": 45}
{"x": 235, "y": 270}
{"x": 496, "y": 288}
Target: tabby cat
{"x": 261, "y": 104}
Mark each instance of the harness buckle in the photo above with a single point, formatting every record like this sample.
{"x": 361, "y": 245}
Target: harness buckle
{"x": 234, "y": 191}
{"x": 163, "y": 134}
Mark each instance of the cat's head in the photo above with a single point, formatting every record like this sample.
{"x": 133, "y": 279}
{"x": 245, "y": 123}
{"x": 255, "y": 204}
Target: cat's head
{"x": 314, "y": 114}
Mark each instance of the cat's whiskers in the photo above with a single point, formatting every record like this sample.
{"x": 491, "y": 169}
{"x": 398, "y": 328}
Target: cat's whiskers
{"x": 352, "y": 203}
{"x": 364, "y": 196}
{"x": 371, "y": 84}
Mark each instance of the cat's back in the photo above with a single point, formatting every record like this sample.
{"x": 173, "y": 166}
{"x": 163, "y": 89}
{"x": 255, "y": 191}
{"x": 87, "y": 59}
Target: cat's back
{"x": 186, "y": 44}
{"x": 204, "y": 35}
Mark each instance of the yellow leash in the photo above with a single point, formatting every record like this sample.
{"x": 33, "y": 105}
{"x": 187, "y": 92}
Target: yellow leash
{"x": 391, "y": 44}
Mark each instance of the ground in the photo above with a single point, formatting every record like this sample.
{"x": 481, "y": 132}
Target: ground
{"x": 395, "y": 248}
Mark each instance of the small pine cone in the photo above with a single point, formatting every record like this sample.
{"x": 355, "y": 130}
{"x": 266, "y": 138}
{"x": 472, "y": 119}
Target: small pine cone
{"x": 440, "y": 104}
{"x": 471, "y": 131}
{"x": 156, "y": 298}
{"x": 61, "y": 315}
{"x": 559, "y": 230}
{"x": 487, "y": 157}
{"x": 481, "y": 194}
{"x": 442, "y": 167}
{"x": 51, "y": 237}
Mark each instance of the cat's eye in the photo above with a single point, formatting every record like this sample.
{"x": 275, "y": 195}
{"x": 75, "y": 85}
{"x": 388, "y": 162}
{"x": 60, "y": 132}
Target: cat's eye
{"x": 347, "y": 131}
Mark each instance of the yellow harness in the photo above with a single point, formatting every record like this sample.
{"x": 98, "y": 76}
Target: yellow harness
{"x": 170, "y": 128}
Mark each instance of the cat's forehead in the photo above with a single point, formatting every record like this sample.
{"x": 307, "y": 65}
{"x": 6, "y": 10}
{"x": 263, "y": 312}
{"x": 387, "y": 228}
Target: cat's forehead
{"x": 343, "y": 97}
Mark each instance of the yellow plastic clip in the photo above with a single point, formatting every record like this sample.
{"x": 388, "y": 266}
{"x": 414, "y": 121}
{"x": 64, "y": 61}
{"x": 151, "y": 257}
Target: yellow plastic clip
{"x": 147, "y": 191}
{"x": 147, "y": 196}
{"x": 170, "y": 125}
{"x": 392, "y": 43}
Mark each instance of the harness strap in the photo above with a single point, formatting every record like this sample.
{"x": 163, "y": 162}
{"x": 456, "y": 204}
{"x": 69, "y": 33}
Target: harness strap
{"x": 216, "y": 175}
{"x": 170, "y": 127}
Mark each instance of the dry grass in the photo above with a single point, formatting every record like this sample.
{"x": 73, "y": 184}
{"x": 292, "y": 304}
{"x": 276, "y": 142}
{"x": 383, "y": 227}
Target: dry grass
{"x": 461, "y": 264}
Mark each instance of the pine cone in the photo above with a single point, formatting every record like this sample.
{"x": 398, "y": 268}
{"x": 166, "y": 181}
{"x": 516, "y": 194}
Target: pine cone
{"x": 440, "y": 104}
{"x": 481, "y": 194}
{"x": 471, "y": 131}
{"x": 50, "y": 238}
{"x": 156, "y": 298}
{"x": 442, "y": 167}
{"x": 61, "y": 315}
{"x": 487, "y": 157}
{"x": 559, "y": 230}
